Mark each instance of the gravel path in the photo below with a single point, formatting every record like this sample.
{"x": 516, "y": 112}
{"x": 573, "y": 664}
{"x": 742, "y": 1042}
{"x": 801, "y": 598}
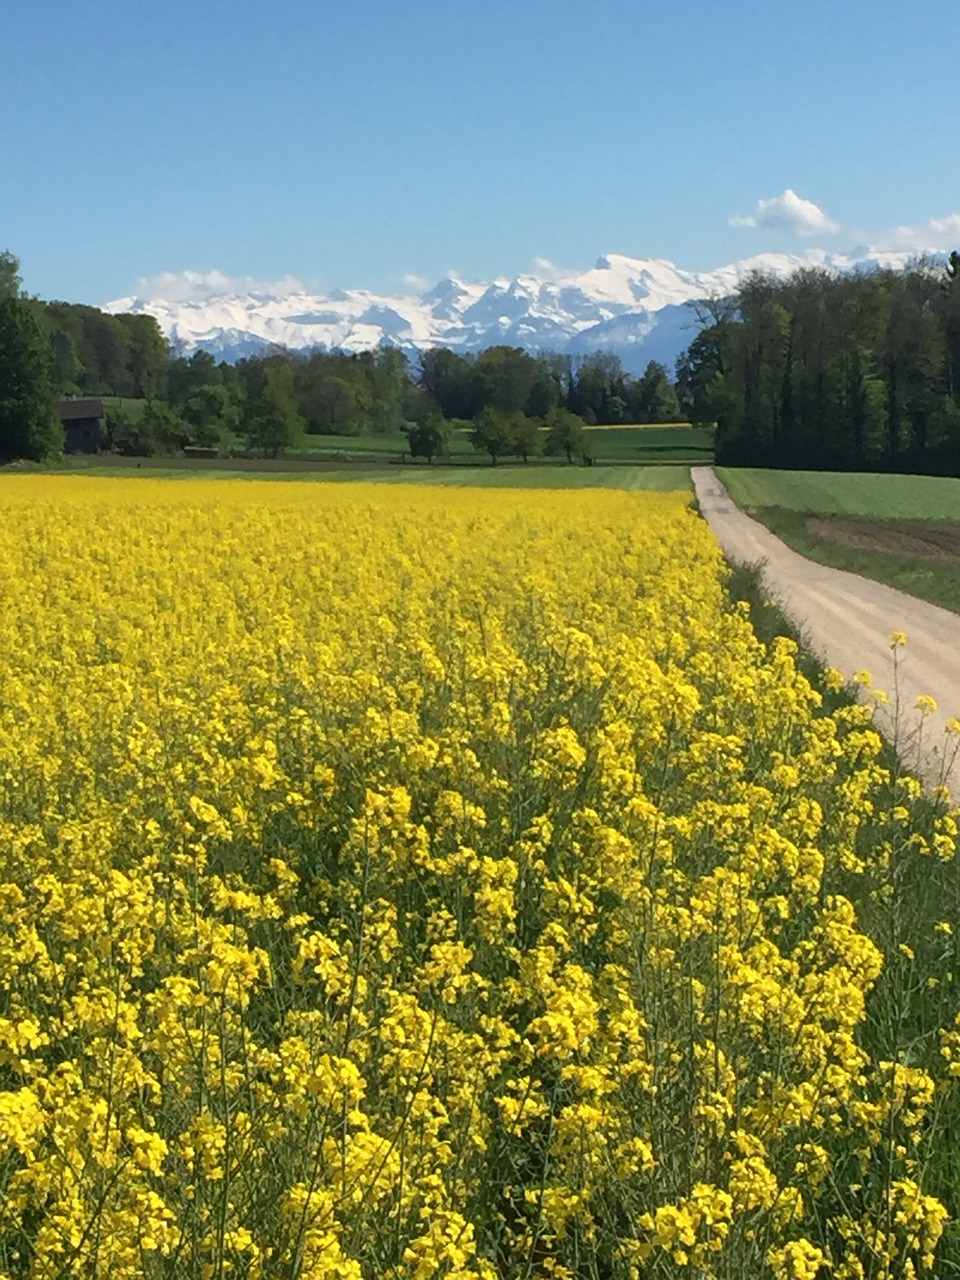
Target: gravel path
{"x": 848, "y": 620}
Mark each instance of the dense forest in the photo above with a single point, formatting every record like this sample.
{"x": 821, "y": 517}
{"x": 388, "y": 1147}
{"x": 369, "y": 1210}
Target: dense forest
{"x": 823, "y": 371}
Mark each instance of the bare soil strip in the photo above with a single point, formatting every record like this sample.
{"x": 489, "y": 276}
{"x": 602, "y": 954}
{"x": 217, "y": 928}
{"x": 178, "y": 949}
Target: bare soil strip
{"x": 921, "y": 540}
{"x": 847, "y": 620}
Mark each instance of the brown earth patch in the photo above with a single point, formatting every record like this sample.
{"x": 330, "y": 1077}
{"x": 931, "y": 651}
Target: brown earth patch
{"x": 909, "y": 539}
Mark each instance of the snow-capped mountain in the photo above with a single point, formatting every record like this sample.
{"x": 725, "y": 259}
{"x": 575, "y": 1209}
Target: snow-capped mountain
{"x": 632, "y": 307}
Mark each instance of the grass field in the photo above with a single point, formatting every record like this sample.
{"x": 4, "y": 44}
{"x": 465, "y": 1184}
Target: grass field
{"x": 639, "y": 443}
{"x": 900, "y": 530}
{"x": 837, "y": 493}
{"x": 651, "y": 442}
{"x": 392, "y": 444}
{"x": 645, "y": 426}
{"x": 660, "y": 479}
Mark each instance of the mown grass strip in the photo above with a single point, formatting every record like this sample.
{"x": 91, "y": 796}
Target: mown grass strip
{"x": 871, "y": 496}
{"x": 661, "y": 478}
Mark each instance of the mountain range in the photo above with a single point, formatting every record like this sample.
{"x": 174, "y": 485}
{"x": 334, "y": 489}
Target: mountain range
{"x": 634, "y": 308}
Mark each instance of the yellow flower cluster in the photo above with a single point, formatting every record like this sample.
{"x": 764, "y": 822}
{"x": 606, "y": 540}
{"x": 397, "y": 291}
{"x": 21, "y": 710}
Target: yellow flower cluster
{"x": 413, "y": 883}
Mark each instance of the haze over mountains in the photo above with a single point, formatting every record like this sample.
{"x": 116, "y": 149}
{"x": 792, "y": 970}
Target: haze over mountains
{"x": 631, "y": 307}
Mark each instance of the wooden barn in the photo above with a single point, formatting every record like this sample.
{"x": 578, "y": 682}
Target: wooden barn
{"x": 82, "y": 425}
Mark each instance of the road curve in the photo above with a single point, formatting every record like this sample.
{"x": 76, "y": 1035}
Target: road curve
{"x": 847, "y": 620}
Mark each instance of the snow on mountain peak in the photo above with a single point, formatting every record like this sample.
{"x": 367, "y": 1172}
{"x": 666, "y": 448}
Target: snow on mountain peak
{"x": 632, "y": 307}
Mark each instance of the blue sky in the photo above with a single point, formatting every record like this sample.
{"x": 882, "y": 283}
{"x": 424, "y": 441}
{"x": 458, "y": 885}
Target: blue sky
{"x": 351, "y": 144}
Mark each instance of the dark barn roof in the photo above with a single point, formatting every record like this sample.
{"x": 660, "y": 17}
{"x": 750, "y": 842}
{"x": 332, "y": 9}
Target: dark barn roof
{"x": 71, "y": 410}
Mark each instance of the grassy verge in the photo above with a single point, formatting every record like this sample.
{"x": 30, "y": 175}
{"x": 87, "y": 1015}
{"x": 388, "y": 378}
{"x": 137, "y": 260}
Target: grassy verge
{"x": 937, "y": 581}
{"x": 890, "y": 506}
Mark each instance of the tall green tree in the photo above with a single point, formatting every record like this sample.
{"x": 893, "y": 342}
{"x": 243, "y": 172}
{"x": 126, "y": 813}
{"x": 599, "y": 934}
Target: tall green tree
{"x": 146, "y": 356}
{"x": 653, "y": 398}
{"x": 160, "y": 430}
{"x": 274, "y": 423}
{"x": 10, "y": 282}
{"x": 598, "y": 389}
{"x": 334, "y": 401}
{"x": 505, "y": 378}
{"x": 65, "y": 329}
{"x": 104, "y": 352}
{"x": 388, "y": 375}
{"x": 29, "y": 427}
{"x": 448, "y": 379}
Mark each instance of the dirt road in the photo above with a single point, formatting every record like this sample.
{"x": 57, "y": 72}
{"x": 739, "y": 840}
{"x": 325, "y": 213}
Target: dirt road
{"x": 848, "y": 620}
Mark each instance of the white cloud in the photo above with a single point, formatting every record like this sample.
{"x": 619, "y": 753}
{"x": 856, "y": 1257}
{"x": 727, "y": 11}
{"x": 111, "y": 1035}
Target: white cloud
{"x": 547, "y": 270}
{"x": 936, "y": 234}
{"x": 788, "y": 212}
{"x": 200, "y": 286}
{"x": 415, "y": 282}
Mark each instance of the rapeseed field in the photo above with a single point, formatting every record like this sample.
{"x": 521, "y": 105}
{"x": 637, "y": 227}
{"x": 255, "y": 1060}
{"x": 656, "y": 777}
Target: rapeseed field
{"x": 411, "y": 883}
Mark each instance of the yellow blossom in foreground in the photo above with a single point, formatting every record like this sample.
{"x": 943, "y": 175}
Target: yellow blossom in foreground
{"x": 405, "y": 882}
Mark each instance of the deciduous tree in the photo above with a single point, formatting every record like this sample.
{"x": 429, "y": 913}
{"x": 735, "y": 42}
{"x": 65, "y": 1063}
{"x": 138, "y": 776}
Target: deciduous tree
{"x": 524, "y": 436}
{"x": 29, "y": 427}
{"x": 428, "y": 438}
{"x": 566, "y": 434}
{"x": 492, "y": 434}
{"x": 10, "y": 282}
{"x": 275, "y": 424}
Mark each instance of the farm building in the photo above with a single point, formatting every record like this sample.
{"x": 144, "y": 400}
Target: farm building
{"x": 82, "y": 425}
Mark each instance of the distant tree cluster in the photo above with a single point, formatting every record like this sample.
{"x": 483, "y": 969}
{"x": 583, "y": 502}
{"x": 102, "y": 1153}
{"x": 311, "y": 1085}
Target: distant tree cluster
{"x": 512, "y": 404}
{"x": 512, "y": 381}
{"x": 846, "y": 372}
{"x": 508, "y": 396}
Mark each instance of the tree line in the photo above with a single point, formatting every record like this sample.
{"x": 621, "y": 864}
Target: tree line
{"x": 512, "y": 403}
{"x": 822, "y": 371}
{"x": 858, "y": 371}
